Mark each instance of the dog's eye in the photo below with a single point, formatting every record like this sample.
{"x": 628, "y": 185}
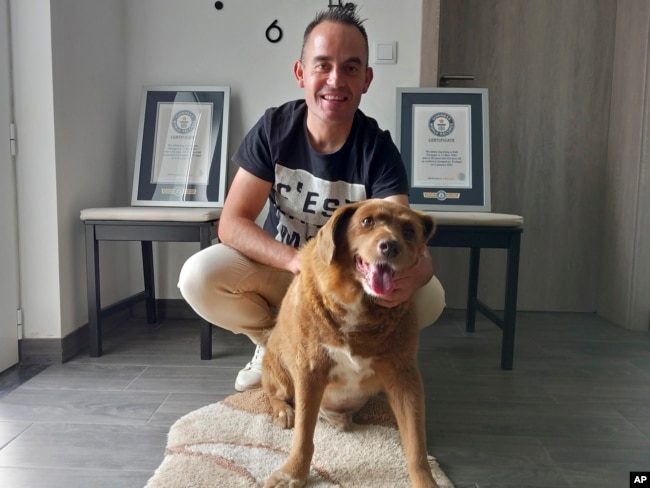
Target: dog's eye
{"x": 409, "y": 233}
{"x": 368, "y": 222}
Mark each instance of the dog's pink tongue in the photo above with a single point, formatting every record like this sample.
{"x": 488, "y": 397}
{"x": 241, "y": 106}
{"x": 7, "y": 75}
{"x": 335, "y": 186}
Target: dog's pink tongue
{"x": 381, "y": 280}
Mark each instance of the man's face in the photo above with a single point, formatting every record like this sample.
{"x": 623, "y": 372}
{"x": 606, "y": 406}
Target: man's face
{"x": 334, "y": 72}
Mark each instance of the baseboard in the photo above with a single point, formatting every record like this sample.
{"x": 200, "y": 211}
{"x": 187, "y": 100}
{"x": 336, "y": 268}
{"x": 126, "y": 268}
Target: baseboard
{"x": 58, "y": 351}
{"x": 168, "y": 308}
{"x": 61, "y": 350}
{"x": 40, "y": 351}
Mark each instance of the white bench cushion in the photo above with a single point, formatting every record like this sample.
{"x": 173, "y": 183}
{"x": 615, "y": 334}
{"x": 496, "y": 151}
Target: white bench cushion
{"x": 156, "y": 214}
{"x": 476, "y": 219}
{"x": 199, "y": 214}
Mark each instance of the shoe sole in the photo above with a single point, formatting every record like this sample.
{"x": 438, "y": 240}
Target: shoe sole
{"x": 241, "y": 388}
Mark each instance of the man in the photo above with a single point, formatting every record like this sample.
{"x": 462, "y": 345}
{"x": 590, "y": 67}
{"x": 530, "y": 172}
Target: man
{"x": 307, "y": 157}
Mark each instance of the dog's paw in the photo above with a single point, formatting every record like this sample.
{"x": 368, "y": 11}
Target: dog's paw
{"x": 340, "y": 421}
{"x": 280, "y": 479}
{"x": 423, "y": 479}
{"x": 284, "y": 416}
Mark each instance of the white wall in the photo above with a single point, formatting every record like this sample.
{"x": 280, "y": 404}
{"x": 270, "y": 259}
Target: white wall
{"x": 88, "y": 53}
{"x": 68, "y": 69}
{"x": 36, "y": 168}
{"x": 79, "y": 66}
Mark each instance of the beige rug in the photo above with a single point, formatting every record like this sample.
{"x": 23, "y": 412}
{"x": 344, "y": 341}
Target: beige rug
{"x": 234, "y": 444}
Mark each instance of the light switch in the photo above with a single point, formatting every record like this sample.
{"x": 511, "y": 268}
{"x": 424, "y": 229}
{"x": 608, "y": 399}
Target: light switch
{"x": 386, "y": 52}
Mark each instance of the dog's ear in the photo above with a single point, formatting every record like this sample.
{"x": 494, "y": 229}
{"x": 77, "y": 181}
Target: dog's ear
{"x": 333, "y": 233}
{"x": 428, "y": 224}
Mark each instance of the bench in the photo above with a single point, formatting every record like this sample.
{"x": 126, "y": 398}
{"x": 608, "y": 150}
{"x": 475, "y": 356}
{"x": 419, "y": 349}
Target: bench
{"x": 144, "y": 224}
{"x": 483, "y": 230}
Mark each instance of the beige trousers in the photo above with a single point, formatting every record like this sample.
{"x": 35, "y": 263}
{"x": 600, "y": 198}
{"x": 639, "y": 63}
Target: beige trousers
{"x": 240, "y": 295}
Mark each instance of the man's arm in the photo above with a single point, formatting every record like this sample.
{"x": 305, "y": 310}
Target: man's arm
{"x": 408, "y": 281}
{"x": 237, "y": 228}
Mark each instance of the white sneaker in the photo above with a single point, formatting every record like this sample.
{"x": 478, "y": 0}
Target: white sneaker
{"x": 251, "y": 376}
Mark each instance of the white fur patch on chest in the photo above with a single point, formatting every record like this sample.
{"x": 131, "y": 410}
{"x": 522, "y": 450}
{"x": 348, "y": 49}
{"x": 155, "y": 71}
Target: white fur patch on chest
{"x": 350, "y": 323}
{"x": 349, "y": 370}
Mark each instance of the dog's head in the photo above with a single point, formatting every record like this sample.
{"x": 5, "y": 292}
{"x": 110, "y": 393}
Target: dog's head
{"x": 374, "y": 239}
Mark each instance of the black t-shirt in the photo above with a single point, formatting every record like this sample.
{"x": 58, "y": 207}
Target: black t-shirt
{"x": 307, "y": 186}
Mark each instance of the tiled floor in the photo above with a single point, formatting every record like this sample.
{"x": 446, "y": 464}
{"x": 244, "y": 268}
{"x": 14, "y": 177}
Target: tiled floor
{"x": 574, "y": 412}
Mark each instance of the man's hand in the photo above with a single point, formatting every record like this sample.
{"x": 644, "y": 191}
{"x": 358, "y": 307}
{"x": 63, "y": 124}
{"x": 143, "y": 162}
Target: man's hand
{"x": 294, "y": 263}
{"x": 409, "y": 280}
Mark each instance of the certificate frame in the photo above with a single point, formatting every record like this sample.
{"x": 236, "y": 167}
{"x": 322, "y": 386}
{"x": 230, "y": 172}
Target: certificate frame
{"x": 182, "y": 148}
{"x": 443, "y": 136}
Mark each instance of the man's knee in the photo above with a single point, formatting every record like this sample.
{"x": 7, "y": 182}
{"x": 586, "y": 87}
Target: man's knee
{"x": 205, "y": 272}
{"x": 190, "y": 279}
{"x": 430, "y": 302}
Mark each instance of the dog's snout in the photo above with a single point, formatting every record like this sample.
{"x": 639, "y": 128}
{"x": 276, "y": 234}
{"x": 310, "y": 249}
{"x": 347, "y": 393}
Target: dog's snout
{"x": 389, "y": 248}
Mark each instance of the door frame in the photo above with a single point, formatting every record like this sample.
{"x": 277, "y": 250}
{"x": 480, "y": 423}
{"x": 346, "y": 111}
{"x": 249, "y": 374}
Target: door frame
{"x": 9, "y": 257}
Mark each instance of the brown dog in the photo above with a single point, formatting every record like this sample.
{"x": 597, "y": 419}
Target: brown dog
{"x": 333, "y": 347}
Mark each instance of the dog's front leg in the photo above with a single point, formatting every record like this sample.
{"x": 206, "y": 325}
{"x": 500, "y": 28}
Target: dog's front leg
{"x": 405, "y": 394}
{"x": 309, "y": 392}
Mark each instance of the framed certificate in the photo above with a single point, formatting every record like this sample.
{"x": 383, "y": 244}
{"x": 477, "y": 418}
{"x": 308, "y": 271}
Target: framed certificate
{"x": 181, "y": 155}
{"x": 443, "y": 135}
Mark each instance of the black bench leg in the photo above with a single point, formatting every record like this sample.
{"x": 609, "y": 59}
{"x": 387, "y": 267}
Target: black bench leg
{"x": 92, "y": 289}
{"x": 149, "y": 286}
{"x": 206, "y": 339}
{"x": 206, "y": 327}
{"x": 472, "y": 288}
{"x": 510, "y": 306}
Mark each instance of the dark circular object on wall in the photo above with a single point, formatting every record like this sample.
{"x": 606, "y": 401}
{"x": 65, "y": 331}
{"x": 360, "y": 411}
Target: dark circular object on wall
{"x": 218, "y": 5}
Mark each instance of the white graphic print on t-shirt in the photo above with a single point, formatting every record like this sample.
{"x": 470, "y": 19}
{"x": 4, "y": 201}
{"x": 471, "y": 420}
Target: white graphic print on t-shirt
{"x": 304, "y": 202}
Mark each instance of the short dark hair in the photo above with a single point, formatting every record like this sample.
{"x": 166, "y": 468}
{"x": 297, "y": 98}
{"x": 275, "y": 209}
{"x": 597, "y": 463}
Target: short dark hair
{"x": 345, "y": 14}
